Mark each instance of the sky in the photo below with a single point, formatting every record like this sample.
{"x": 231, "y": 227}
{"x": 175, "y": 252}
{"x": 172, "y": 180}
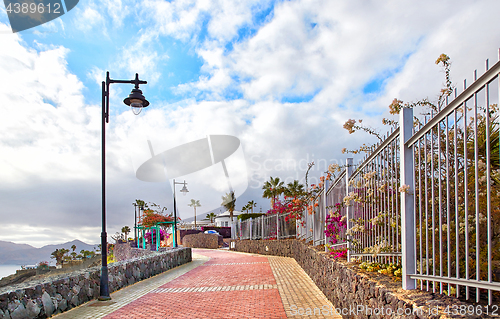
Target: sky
{"x": 281, "y": 76}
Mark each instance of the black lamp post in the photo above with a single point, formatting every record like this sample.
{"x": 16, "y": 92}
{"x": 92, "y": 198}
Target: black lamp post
{"x": 184, "y": 190}
{"x": 135, "y": 222}
{"x": 136, "y": 101}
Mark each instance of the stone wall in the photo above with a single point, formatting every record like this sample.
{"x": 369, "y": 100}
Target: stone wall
{"x": 43, "y": 298}
{"x": 184, "y": 232}
{"x": 211, "y": 241}
{"x": 126, "y": 252}
{"x": 348, "y": 288}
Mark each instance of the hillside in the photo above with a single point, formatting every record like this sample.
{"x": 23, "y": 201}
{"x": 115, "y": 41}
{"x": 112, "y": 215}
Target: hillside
{"x": 23, "y": 254}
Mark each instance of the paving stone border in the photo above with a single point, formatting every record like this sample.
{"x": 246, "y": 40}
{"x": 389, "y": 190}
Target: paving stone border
{"x": 350, "y": 289}
{"x": 43, "y": 298}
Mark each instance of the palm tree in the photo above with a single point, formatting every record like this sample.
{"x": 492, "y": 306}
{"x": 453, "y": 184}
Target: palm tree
{"x": 246, "y": 208}
{"x": 126, "y": 231}
{"x": 211, "y": 216}
{"x": 73, "y": 247}
{"x": 294, "y": 189}
{"x": 251, "y": 204}
{"x": 229, "y": 202}
{"x": 194, "y": 204}
{"x": 273, "y": 189}
{"x": 59, "y": 255}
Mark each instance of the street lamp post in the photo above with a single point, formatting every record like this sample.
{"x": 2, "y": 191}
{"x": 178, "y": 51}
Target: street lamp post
{"x": 136, "y": 101}
{"x": 135, "y": 222}
{"x": 137, "y": 207}
{"x": 184, "y": 190}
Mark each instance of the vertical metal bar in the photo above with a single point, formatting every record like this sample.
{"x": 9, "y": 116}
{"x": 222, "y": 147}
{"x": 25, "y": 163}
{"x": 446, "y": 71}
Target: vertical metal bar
{"x": 421, "y": 237}
{"x": 348, "y": 172}
{"x": 398, "y": 204}
{"x": 263, "y": 230}
{"x": 414, "y": 148}
{"x": 251, "y": 227}
{"x": 466, "y": 197}
{"x": 311, "y": 226}
{"x": 426, "y": 211}
{"x": 407, "y": 214}
{"x": 488, "y": 185}
{"x": 368, "y": 169}
{"x": 369, "y": 235}
{"x": 457, "y": 220}
{"x": 448, "y": 238}
{"x": 278, "y": 226}
{"x": 390, "y": 189}
{"x": 325, "y": 204}
{"x": 378, "y": 164}
{"x": 432, "y": 173}
{"x": 476, "y": 186}
{"x": 375, "y": 202}
{"x": 439, "y": 167}
{"x": 383, "y": 199}
{"x": 385, "y": 189}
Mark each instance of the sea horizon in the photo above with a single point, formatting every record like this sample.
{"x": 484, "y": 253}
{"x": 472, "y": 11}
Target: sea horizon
{"x": 6, "y": 270}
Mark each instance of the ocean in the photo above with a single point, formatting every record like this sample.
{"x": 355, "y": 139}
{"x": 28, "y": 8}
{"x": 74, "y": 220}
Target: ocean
{"x": 6, "y": 270}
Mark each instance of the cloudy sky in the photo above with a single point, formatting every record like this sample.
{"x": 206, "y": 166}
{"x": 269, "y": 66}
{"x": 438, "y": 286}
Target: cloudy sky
{"x": 281, "y": 76}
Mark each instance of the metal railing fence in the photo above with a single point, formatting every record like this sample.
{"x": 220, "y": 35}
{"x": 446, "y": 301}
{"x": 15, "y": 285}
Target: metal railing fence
{"x": 265, "y": 227}
{"x": 427, "y": 196}
{"x": 372, "y": 205}
{"x": 456, "y": 191}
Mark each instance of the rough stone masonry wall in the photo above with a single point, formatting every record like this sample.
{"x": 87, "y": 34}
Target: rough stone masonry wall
{"x": 347, "y": 288}
{"x": 125, "y": 252}
{"x": 62, "y": 292}
{"x": 211, "y": 241}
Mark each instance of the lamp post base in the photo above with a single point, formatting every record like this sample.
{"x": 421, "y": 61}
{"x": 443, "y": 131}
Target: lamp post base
{"x": 104, "y": 288}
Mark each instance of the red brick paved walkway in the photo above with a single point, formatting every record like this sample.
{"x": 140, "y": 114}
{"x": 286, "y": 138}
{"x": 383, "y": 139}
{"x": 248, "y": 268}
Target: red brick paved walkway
{"x": 217, "y": 284}
{"x": 229, "y": 285}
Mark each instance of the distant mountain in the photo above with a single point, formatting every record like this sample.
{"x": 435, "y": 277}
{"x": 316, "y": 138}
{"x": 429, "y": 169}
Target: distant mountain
{"x": 23, "y": 254}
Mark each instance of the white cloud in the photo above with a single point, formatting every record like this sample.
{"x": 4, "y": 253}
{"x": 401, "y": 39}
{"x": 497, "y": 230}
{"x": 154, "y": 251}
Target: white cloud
{"x": 328, "y": 48}
{"x": 139, "y": 55}
{"x": 89, "y": 17}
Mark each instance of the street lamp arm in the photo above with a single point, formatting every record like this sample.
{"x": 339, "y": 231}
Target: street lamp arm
{"x": 136, "y": 81}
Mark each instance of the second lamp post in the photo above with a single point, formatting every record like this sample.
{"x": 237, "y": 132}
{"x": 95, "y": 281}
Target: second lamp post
{"x": 184, "y": 190}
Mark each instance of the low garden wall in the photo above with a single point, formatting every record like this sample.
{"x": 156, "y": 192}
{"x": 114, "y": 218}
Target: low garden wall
{"x": 124, "y": 251}
{"x": 353, "y": 292}
{"x": 201, "y": 240}
{"x": 184, "y": 232}
{"x": 43, "y": 298}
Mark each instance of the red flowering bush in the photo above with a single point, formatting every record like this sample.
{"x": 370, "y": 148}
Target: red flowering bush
{"x": 151, "y": 218}
{"x": 335, "y": 224}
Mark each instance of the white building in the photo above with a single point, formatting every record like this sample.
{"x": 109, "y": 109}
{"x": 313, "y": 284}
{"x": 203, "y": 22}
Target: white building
{"x": 203, "y": 222}
{"x": 224, "y": 220}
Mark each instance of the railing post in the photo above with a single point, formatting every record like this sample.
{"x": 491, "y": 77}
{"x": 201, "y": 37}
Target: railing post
{"x": 348, "y": 210}
{"x": 407, "y": 199}
{"x": 251, "y": 228}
